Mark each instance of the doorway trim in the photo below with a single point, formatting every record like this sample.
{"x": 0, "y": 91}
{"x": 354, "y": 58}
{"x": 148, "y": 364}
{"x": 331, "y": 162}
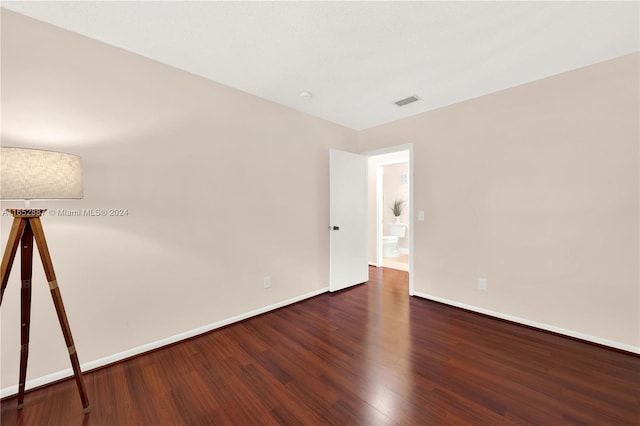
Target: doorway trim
{"x": 389, "y": 150}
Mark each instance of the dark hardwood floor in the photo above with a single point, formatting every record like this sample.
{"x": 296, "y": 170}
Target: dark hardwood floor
{"x": 368, "y": 355}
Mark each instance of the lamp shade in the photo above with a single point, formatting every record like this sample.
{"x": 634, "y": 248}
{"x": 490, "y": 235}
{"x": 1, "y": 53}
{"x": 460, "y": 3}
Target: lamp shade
{"x": 32, "y": 174}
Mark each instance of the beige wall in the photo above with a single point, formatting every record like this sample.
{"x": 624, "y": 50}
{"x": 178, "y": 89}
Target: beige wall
{"x": 222, "y": 188}
{"x": 535, "y": 188}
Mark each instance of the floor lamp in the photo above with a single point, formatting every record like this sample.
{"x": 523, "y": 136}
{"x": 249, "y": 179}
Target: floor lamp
{"x": 28, "y": 174}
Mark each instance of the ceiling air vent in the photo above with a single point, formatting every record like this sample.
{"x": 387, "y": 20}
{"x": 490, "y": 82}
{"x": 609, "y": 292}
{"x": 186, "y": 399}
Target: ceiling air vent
{"x": 406, "y": 101}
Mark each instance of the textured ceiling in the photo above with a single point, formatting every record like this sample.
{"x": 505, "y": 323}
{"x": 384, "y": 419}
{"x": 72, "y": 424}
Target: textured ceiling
{"x": 357, "y": 58}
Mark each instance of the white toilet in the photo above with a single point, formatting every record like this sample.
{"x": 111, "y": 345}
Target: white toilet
{"x": 390, "y": 242}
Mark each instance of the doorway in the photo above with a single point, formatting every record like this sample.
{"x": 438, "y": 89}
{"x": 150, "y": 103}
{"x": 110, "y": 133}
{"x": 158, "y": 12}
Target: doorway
{"x": 390, "y": 181}
{"x": 393, "y": 212}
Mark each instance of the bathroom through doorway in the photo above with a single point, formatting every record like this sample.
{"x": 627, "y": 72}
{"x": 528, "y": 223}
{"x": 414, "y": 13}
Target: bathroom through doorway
{"x": 390, "y": 209}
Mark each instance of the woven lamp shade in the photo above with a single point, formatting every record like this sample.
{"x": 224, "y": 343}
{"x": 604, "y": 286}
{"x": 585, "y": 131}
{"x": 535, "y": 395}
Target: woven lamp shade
{"x": 33, "y": 174}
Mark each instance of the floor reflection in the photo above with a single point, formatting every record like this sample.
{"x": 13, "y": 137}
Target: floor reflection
{"x": 388, "y": 341}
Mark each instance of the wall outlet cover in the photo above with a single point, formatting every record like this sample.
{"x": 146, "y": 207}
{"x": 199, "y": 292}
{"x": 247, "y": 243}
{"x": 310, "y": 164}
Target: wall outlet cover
{"x": 482, "y": 283}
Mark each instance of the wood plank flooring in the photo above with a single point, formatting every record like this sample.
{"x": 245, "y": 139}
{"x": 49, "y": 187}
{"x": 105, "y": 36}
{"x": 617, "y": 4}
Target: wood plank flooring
{"x": 368, "y": 355}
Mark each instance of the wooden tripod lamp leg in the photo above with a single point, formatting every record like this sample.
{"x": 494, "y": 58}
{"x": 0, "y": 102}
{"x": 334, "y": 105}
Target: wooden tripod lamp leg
{"x": 20, "y": 232}
{"x": 26, "y": 261}
{"x": 41, "y": 242}
{"x": 10, "y": 251}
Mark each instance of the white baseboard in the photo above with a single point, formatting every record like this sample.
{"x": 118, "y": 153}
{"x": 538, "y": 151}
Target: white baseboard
{"x": 91, "y": 365}
{"x": 547, "y": 327}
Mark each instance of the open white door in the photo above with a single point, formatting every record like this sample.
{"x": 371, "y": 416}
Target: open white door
{"x": 348, "y": 220}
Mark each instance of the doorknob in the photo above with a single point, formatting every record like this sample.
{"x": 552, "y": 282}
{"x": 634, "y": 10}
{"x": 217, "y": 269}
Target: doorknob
{"x": 334, "y": 228}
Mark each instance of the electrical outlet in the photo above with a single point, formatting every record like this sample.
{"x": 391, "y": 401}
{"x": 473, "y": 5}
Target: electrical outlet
{"x": 482, "y": 283}
{"x": 267, "y": 281}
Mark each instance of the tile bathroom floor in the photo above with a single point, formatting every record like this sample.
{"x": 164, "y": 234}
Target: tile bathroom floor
{"x": 400, "y": 262}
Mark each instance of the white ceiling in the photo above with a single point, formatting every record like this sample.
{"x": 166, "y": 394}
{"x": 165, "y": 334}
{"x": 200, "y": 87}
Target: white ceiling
{"x": 357, "y": 58}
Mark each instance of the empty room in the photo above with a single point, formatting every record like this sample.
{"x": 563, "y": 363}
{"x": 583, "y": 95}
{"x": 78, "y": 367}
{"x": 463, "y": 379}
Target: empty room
{"x": 310, "y": 213}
